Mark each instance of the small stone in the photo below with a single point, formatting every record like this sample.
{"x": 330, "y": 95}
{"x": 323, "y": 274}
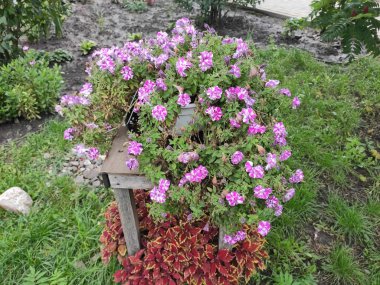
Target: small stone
{"x": 90, "y": 173}
{"x": 102, "y": 157}
{"x": 65, "y": 164}
{"x": 87, "y": 162}
{"x": 74, "y": 163}
{"x": 46, "y": 155}
{"x": 79, "y": 179}
{"x": 96, "y": 183}
{"x": 29, "y": 128}
{"x": 82, "y": 169}
{"x": 17, "y": 121}
{"x": 16, "y": 200}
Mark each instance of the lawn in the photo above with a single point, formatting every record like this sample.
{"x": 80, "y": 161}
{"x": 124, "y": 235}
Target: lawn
{"x": 328, "y": 233}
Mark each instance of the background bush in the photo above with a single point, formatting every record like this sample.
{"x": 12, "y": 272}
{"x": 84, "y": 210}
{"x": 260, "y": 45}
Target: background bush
{"x": 28, "y": 87}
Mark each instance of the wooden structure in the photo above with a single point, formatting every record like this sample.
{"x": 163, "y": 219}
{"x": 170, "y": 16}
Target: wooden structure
{"x": 116, "y": 175}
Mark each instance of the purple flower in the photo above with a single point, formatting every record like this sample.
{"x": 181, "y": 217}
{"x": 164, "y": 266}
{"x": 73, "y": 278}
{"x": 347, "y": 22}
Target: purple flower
{"x": 235, "y": 71}
{"x": 296, "y": 102}
{"x": 271, "y": 202}
{"x": 237, "y": 157}
{"x": 33, "y": 62}
{"x": 25, "y": 48}
{"x": 285, "y": 91}
{"x": 196, "y": 175}
{"x": 186, "y": 157}
{"x": 162, "y": 38}
{"x": 263, "y": 228}
{"x": 183, "y": 99}
{"x": 254, "y": 171}
{"x": 93, "y": 153}
{"x": 227, "y": 41}
{"x": 278, "y": 210}
{"x": 182, "y": 65}
{"x": 86, "y": 89}
{"x": 231, "y": 93}
{"x": 272, "y": 83}
{"x": 240, "y": 235}
{"x": 161, "y": 84}
{"x": 288, "y": 195}
{"x": 157, "y": 196}
{"x": 214, "y": 93}
{"x": 159, "y": 112}
{"x": 127, "y": 73}
{"x": 215, "y": 113}
{"x": 234, "y": 123}
{"x": 68, "y": 134}
{"x": 285, "y": 155}
{"x": 241, "y": 93}
{"x": 248, "y": 115}
{"x": 79, "y": 150}
{"x": 256, "y": 129}
{"x": 229, "y": 239}
{"x": 279, "y": 134}
{"x": 59, "y": 109}
{"x": 134, "y": 148}
{"x": 297, "y": 177}
{"x": 271, "y": 161}
{"x": 205, "y": 60}
{"x": 132, "y": 163}
{"x": 261, "y": 192}
{"x": 241, "y": 49}
{"x": 234, "y": 198}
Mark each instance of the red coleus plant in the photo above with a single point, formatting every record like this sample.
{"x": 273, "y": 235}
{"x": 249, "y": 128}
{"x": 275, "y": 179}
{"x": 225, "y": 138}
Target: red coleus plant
{"x": 180, "y": 251}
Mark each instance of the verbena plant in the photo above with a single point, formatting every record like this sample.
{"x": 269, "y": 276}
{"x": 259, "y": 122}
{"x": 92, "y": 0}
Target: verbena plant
{"x": 28, "y": 87}
{"x": 31, "y": 18}
{"x": 229, "y": 163}
{"x": 353, "y": 21}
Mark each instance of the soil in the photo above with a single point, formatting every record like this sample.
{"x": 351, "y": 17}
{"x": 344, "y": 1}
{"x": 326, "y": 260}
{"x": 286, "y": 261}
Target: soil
{"x": 109, "y": 24}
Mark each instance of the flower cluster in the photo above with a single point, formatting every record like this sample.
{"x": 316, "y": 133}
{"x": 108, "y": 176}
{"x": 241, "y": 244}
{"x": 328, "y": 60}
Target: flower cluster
{"x": 233, "y": 239}
{"x": 187, "y": 157}
{"x": 158, "y": 193}
{"x": 234, "y": 198}
{"x": 195, "y": 176}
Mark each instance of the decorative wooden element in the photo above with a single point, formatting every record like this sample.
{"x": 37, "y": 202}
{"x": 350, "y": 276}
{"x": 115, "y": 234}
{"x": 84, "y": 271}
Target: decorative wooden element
{"x": 119, "y": 177}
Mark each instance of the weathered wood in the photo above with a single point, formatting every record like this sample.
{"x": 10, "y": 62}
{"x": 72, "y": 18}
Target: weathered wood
{"x": 129, "y": 182}
{"x": 222, "y": 244}
{"x": 129, "y": 219}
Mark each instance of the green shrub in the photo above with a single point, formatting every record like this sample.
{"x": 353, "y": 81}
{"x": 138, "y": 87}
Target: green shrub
{"x": 87, "y": 46}
{"x": 135, "y": 6}
{"x": 28, "y": 87}
{"x": 31, "y": 18}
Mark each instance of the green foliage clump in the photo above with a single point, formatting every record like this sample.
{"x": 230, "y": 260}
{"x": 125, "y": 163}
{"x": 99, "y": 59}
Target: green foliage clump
{"x": 28, "y": 87}
{"x": 135, "y": 6}
{"x": 32, "y": 19}
{"x": 87, "y": 46}
{"x": 353, "y": 21}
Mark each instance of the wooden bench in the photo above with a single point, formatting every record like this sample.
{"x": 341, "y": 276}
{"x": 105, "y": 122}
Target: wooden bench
{"x": 116, "y": 175}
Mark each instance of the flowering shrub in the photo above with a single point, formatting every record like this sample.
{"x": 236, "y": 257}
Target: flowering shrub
{"x": 179, "y": 251}
{"x": 229, "y": 164}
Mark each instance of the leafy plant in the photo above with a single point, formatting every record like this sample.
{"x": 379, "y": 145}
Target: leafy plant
{"x": 284, "y": 278}
{"x": 87, "y": 46}
{"x": 58, "y": 56}
{"x": 353, "y": 21}
{"x": 211, "y": 10}
{"x": 135, "y": 6}
{"x": 28, "y": 18}
{"x": 135, "y": 37}
{"x": 343, "y": 269}
{"x": 39, "y": 278}
{"x": 293, "y": 24}
{"x": 355, "y": 153}
{"x": 28, "y": 87}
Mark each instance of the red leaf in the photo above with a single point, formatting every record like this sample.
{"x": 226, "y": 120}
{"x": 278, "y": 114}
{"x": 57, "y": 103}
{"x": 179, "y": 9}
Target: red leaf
{"x": 182, "y": 257}
{"x": 212, "y": 269}
{"x": 209, "y": 251}
{"x": 177, "y": 266}
{"x": 195, "y": 254}
{"x": 225, "y": 255}
{"x": 134, "y": 260}
{"x": 222, "y": 269}
{"x": 120, "y": 276}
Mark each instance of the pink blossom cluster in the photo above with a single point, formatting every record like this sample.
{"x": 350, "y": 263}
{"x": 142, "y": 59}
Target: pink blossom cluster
{"x": 263, "y": 228}
{"x": 183, "y": 99}
{"x": 255, "y": 128}
{"x": 132, "y": 163}
{"x": 233, "y": 239}
{"x": 92, "y": 153}
{"x": 235, "y": 70}
{"x": 279, "y": 134}
{"x": 285, "y": 155}
{"x": 68, "y": 134}
{"x": 159, "y": 112}
{"x": 160, "y": 83}
{"x": 234, "y": 198}
{"x": 158, "y": 193}
{"x": 205, "y": 60}
{"x": 145, "y": 91}
{"x": 107, "y": 63}
{"x": 297, "y": 177}
{"x": 248, "y": 115}
{"x": 182, "y": 65}
{"x": 241, "y": 49}
{"x": 272, "y": 83}
{"x": 262, "y": 193}
{"x": 237, "y": 157}
{"x": 186, "y": 157}
{"x": 86, "y": 89}
{"x": 72, "y": 100}
{"x": 288, "y": 195}
{"x": 254, "y": 171}
{"x": 134, "y": 148}
{"x": 233, "y": 93}
{"x": 194, "y": 176}
{"x": 126, "y": 72}
{"x": 271, "y": 161}
{"x": 214, "y": 93}
{"x": 215, "y": 113}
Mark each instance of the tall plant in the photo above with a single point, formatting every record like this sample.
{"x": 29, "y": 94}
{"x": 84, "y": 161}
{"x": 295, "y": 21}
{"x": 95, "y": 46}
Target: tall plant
{"x": 32, "y": 18}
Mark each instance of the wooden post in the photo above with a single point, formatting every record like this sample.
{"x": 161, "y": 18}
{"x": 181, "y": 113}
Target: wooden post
{"x": 129, "y": 219}
{"x": 222, "y": 244}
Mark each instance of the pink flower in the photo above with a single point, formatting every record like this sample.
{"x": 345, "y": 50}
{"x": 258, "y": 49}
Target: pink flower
{"x": 256, "y": 129}
{"x": 161, "y": 84}
{"x": 157, "y": 196}
{"x": 254, "y": 172}
{"x": 215, "y": 113}
{"x": 205, "y": 60}
{"x": 263, "y": 228}
{"x": 237, "y": 157}
{"x": 164, "y": 185}
{"x": 272, "y": 83}
{"x": 297, "y": 177}
{"x": 279, "y": 134}
{"x": 234, "y": 123}
{"x": 134, "y": 148}
{"x": 132, "y": 163}
{"x": 241, "y": 49}
{"x": 261, "y": 192}
{"x": 214, "y": 93}
{"x": 285, "y": 155}
{"x": 234, "y": 198}
{"x": 296, "y": 103}
{"x": 79, "y": 150}
{"x": 285, "y": 91}
{"x": 183, "y": 99}
{"x": 235, "y": 71}
{"x": 271, "y": 202}
{"x": 25, "y": 48}
{"x": 159, "y": 112}
{"x": 93, "y": 153}
{"x": 86, "y": 89}
{"x": 289, "y": 195}
{"x": 271, "y": 161}
{"x": 186, "y": 157}
{"x": 68, "y": 134}
{"x": 241, "y": 93}
{"x": 59, "y": 109}
{"x": 248, "y": 115}
{"x": 278, "y": 210}
{"x": 127, "y": 73}
{"x": 33, "y": 62}
{"x": 182, "y": 65}
{"x": 196, "y": 175}
{"x": 231, "y": 93}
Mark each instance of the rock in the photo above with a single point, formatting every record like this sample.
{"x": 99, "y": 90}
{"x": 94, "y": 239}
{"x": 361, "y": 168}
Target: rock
{"x": 90, "y": 173}
{"x": 74, "y": 163}
{"x": 87, "y": 162}
{"x": 29, "y": 128}
{"x": 96, "y": 183}
{"x": 79, "y": 179}
{"x": 16, "y": 200}
{"x": 46, "y": 155}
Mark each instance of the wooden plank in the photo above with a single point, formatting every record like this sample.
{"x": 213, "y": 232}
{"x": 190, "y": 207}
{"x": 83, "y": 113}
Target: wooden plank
{"x": 129, "y": 219}
{"x": 221, "y": 243}
{"x": 129, "y": 182}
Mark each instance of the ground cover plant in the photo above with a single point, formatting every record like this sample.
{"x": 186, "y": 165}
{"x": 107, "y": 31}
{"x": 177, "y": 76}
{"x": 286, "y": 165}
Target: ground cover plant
{"x": 339, "y": 104}
{"x": 28, "y": 86}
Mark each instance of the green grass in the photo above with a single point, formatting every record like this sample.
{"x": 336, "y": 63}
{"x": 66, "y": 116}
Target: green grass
{"x": 329, "y": 139}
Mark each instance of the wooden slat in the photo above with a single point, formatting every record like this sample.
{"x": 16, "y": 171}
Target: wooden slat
{"x": 221, "y": 244}
{"x": 129, "y": 220}
{"x": 129, "y": 182}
